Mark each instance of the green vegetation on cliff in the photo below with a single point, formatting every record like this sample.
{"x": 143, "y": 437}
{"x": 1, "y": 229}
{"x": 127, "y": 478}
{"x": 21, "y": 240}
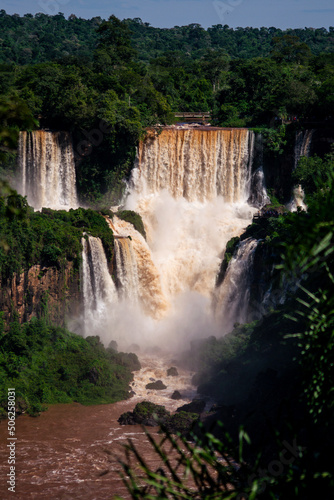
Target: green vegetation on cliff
{"x": 49, "y": 238}
{"x": 48, "y": 364}
{"x": 134, "y": 219}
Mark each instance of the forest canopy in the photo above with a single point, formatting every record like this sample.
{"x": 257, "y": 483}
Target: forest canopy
{"x": 74, "y": 74}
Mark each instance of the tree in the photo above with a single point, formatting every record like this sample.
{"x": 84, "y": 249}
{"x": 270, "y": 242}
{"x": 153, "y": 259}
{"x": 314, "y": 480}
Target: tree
{"x": 14, "y": 116}
{"x": 289, "y": 48}
{"x": 114, "y": 45}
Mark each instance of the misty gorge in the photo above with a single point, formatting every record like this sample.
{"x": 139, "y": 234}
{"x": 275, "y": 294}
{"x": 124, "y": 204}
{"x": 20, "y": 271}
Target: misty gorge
{"x": 183, "y": 273}
{"x": 191, "y": 188}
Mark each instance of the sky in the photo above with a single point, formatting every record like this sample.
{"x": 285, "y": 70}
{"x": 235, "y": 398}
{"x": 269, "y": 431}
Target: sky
{"x": 168, "y": 13}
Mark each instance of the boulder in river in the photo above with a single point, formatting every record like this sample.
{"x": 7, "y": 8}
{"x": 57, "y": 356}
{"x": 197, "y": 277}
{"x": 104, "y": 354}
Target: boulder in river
{"x": 145, "y": 413}
{"x": 196, "y": 406}
{"x": 176, "y": 395}
{"x": 182, "y": 422}
{"x": 150, "y": 414}
{"x": 172, "y": 372}
{"x": 158, "y": 385}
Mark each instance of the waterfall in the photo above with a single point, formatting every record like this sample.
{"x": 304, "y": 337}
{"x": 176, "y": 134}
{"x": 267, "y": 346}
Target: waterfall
{"x": 99, "y": 291}
{"x": 259, "y": 196}
{"x": 126, "y": 268}
{"x": 302, "y": 148}
{"x": 232, "y": 296}
{"x": 197, "y": 165}
{"x": 137, "y": 275}
{"x": 302, "y": 144}
{"x": 191, "y": 188}
{"x": 297, "y": 199}
{"x": 47, "y": 169}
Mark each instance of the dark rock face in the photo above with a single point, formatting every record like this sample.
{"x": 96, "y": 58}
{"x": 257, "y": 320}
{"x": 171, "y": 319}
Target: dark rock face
{"x": 182, "y": 422}
{"x": 196, "y": 406}
{"x": 172, "y": 372}
{"x": 20, "y": 406}
{"x": 145, "y": 413}
{"x": 150, "y": 414}
{"x": 26, "y": 293}
{"x": 158, "y": 385}
{"x": 93, "y": 376}
{"x": 127, "y": 418}
{"x": 176, "y": 395}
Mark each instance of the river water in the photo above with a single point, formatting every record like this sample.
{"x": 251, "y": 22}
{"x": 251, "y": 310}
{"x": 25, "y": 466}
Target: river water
{"x": 71, "y": 450}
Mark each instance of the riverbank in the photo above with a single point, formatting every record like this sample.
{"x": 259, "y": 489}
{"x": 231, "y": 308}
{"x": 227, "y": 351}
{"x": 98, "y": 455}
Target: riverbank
{"x": 71, "y": 451}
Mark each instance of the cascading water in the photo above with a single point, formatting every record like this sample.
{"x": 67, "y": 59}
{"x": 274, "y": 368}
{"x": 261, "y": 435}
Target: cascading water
{"x": 303, "y": 143}
{"x": 136, "y": 271}
{"x": 191, "y": 188}
{"x": 47, "y": 169}
{"x": 297, "y": 199}
{"x": 231, "y": 299}
{"x": 302, "y": 148}
{"x": 189, "y": 216}
{"x": 197, "y": 165}
{"x": 259, "y": 196}
{"x": 126, "y": 268}
{"x": 99, "y": 291}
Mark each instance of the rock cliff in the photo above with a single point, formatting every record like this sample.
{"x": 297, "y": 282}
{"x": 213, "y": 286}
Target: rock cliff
{"x": 41, "y": 291}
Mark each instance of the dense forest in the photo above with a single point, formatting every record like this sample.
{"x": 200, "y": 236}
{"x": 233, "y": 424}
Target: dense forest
{"x": 40, "y": 38}
{"x": 106, "y": 82}
{"x": 131, "y": 76}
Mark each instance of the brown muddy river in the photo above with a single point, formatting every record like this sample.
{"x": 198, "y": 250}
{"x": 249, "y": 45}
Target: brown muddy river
{"x": 70, "y": 451}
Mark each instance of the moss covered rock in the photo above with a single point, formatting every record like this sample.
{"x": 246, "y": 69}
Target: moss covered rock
{"x": 145, "y": 413}
{"x": 134, "y": 218}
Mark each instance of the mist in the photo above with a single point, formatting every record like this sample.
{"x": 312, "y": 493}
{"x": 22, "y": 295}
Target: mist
{"x": 166, "y": 283}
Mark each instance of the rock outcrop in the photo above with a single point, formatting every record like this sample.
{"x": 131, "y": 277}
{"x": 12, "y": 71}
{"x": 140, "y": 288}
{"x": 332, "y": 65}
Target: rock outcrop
{"x": 196, "y": 406}
{"x": 158, "y": 385}
{"x": 172, "y": 372}
{"x": 176, "y": 395}
{"x": 41, "y": 291}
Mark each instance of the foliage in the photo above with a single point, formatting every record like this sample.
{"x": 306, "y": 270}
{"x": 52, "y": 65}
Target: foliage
{"x": 33, "y": 39}
{"x": 134, "y": 219}
{"x": 48, "y": 364}
{"x": 313, "y": 173}
{"x": 274, "y": 139}
{"x": 48, "y": 238}
{"x": 274, "y": 202}
{"x": 114, "y": 45}
{"x": 317, "y": 348}
{"x": 227, "y": 368}
{"x": 289, "y": 48}
{"x": 14, "y": 115}
{"x": 211, "y": 468}
{"x": 229, "y": 251}
{"x": 86, "y": 77}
